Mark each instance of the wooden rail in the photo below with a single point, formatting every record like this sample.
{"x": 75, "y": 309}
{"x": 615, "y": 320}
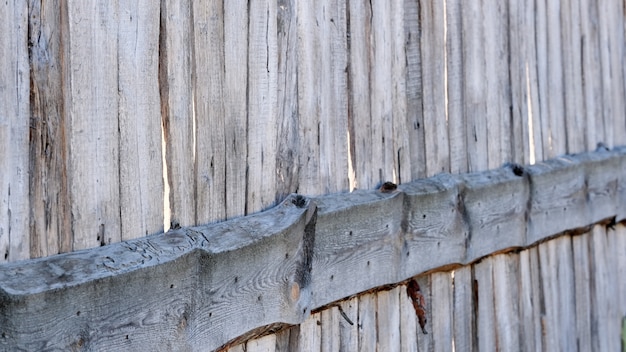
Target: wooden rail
{"x": 199, "y": 287}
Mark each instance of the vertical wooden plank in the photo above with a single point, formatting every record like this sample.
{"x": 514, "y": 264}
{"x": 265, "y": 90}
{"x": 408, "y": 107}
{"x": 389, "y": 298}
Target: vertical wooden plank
{"x": 14, "y": 132}
{"x": 389, "y": 320}
{"x": 497, "y": 92}
{"x": 530, "y": 301}
{"x": 580, "y": 246}
{"x": 262, "y": 105}
{"x": 614, "y": 11}
{"x": 425, "y": 342}
{"x": 485, "y": 318}
{"x": 381, "y": 92}
{"x": 590, "y": 53}
{"x": 556, "y": 109}
{"x": 433, "y": 85}
{"x": 349, "y": 330}
{"x": 288, "y": 147}
{"x": 368, "y": 333}
{"x": 238, "y": 348}
{"x": 330, "y": 339}
{"x": 454, "y": 87}
{"x": 141, "y": 168}
{"x": 408, "y": 322}
{"x": 308, "y": 85}
{"x": 208, "y": 95}
{"x": 601, "y": 303}
{"x": 620, "y": 248}
{"x": 519, "y": 32}
{"x": 474, "y": 85}
{"x": 572, "y": 77}
{"x": 287, "y": 340}
{"x": 401, "y": 132}
{"x": 50, "y": 216}
{"x": 566, "y": 301}
{"x": 93, "y": 119}
{"x": 605, "y": 26}
{"x": 463, "y": 321}
{"x": 549, "y": 283}
{"x": 175, "y": 80}
{"x": 235, "y": 104}
{"x": 506, "y": 291}
{"x": 310, "y": 337}
{"x": 442, "y": 311}
{"x": 531, "y": 71}
{"x": 612, "y": 284}
{"x": 541, "y": 36}
{"x": 415, "y": 114}
{"x": 262, "y": 344}
{"x": 333, "y": 95}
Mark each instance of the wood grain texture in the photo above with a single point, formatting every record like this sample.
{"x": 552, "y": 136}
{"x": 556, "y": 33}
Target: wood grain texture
{"x": 193, "y": 305}
{"x": 49, "y": 185}
{"x": 14, "y": 132}
{"x": 368, "y": 334}
{"x": 463, "y": 310}
{"x": 442, "y": 305}
{"x": 208, "y": 63}
{"x": 361, "y": 240}
{"x": 388, "y": 319}
{"x": 176, "y": 87}
{"x": 530, "y": 304}
{"x": 139, "y": 116}
{"x": 92, "y": 107}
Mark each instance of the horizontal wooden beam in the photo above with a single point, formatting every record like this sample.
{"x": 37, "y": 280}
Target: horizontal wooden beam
{"x": 197, "y": 288}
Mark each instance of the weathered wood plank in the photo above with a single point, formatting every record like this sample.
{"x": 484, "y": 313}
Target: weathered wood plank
{"x": 580, "y": 252}
{"x": 408, "y": 322}
{"x": 330, "y": 61}
{"x": 381, "y": 109}
{"x": 310, "y": 337}
{"x": 434, "y": 223}
{"x": 463, "y": 310}
{"x": 263, "y": 344}
{"x": 262, "y": 105}
{"x": 194, "y": 302}
{"x": 141, "y": 175}
{"x": 288, "y": 144}
{"x": 556, "y": 192}
{"x": 600, "y": 300}
{"x": 362, "y": 240}
{"x": 368, "y": 334}
{"x": 330, "y": 338}
{"x": 209, "y": 123}
{"x": 176, "y": 87}
{"x": 506, "y": 301}
{"x": 433, "y": 62}
{"x": 530, "y": 301}
{"x": 235, "y": 104}
{"x": 485, "y": 311}
{"x": 454, "y": 87}
{"x": 554, "y": 58}
{"x": 566, "y": 299}
{"x": 49, "y": 187}
{"x": 388, "y": 319}
{"x": 415, "y": 114}
{"x": 375, "y": 244}
{"x": 349, "y": 328}
{"x": 442, "y": 305}
{"x": 14, "y": 131}
{"x": 92, "y": 102}
{"x": 359, "y": 111}
{"x": 401, "y": 132}
{"x": 501, "y": 218}
{"x": 425, "y": 341}
{"x": 474, "y": 70}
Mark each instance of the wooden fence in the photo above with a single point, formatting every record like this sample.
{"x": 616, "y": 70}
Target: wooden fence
{"x": 123, "y": 119}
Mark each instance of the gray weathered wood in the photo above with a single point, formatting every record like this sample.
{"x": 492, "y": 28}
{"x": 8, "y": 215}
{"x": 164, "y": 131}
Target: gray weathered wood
{"x": 485, "y": 312}
{"x": 368, "y": 334}
{"x": 442, "y": 306}
{"x": 49, "y": 187}
{"x": 14, "y": 131}
{"x": 463, "y": 321}
{"x": 388, "y": 319}
{"x": 194, "y": 303}
{"x": 529, "y": 301}
{"x": 141, "y": 175}
{"x": 362, "y": 240}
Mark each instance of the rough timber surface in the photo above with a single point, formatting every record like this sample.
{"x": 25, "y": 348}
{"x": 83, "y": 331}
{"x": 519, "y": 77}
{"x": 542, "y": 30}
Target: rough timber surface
{"x": 201, "y": 287}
